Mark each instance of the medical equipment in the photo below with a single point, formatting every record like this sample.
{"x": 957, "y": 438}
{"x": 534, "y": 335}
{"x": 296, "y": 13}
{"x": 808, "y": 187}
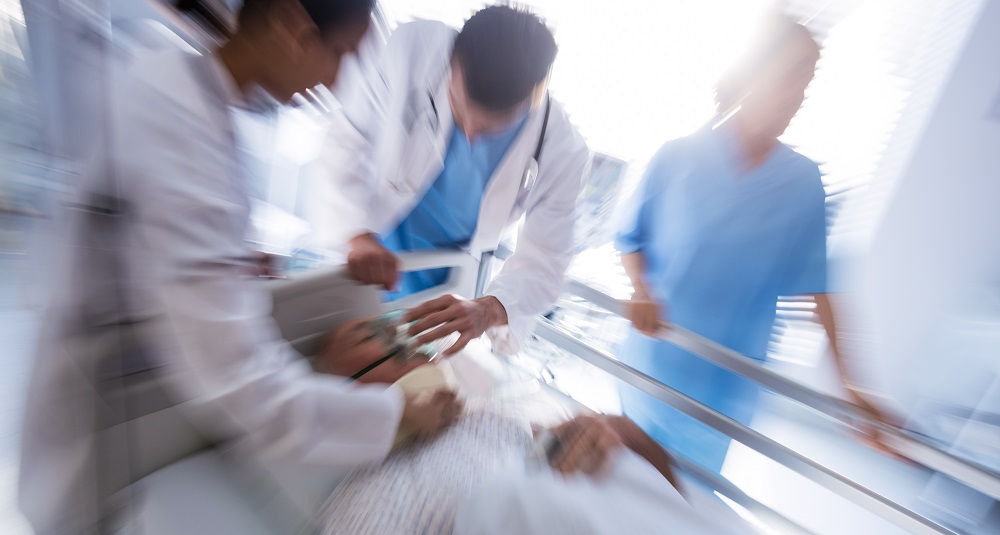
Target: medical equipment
{"x": 393, "y": 332}
{"x": 531, "y": 172}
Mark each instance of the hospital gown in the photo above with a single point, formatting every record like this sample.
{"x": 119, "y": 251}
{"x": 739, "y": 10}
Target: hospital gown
{"x": 420, "y": 485}
{"x": 720, "y": 245}
{"x": 447, "y": 215}
{"x": 476, "y": 478}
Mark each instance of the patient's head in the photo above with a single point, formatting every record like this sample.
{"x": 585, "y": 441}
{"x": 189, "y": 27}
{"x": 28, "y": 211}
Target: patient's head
{"x": 354, "y": 345}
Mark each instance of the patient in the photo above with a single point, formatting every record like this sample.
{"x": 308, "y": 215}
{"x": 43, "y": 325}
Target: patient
{"x": 604, "y": 473}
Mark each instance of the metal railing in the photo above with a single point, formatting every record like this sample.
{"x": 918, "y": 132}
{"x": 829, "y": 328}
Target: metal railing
{"x": 836, "y": 409}
{"x": 909, "y": 446}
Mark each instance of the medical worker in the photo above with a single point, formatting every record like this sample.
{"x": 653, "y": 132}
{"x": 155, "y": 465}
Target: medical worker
{"x": 459, "y": 139}
{"x": 723, "y": 222}
{"x": 157, "y": 251}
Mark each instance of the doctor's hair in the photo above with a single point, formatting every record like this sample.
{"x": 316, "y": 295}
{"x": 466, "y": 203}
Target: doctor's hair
{"x": 326, "y": 14}
{"x": 776, "y": 34}
{"x": 504, "y": 52}
{"x": 212, "y": 15}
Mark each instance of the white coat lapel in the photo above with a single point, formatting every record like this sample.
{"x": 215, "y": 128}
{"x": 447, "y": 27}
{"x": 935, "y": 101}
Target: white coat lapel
{"x": 419, "y": 158}
{"x": 422, "y": 157}
{"x": 501, "y": 192}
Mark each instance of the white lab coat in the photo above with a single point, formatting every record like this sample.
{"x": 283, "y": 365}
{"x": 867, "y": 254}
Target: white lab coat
{"x": 404, "y": 139}
{"x": 176, "y": 248}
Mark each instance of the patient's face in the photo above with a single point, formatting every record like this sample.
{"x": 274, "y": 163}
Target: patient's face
{"x": 354, "y": 345}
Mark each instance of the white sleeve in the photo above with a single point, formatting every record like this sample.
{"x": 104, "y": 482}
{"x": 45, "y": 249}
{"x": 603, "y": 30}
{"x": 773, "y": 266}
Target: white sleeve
{"x": 234, "y": 361}
{"x": 367, "y": 130}
{"x": 344, "y": 185}
{"x": 532, "y": 278}
{"x": 190, "y": 221}
{"x": 368, "y": 96}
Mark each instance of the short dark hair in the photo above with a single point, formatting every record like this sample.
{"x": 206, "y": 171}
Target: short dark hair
{"x": 504, "y": 53}
{"x": 776, "y": 34}
{"x": 324, "y": 13}
{"x": 212, "y": 15}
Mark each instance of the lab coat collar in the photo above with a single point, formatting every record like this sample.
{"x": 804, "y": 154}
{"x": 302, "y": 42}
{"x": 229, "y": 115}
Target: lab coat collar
{"x": 501, "y": 193}
{"x": 254, "y": 99}
{"x": 231, "y": 94}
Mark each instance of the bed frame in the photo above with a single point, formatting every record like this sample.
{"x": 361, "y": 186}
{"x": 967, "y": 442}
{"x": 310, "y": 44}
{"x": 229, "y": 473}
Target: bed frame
{"x": 306, "y": 305}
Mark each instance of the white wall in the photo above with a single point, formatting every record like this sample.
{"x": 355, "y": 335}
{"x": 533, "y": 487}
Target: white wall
{"x": 931, "y": 281}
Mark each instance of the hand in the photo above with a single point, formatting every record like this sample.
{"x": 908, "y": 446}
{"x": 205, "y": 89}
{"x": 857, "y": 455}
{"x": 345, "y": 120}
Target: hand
{"x": 371, "y": 263}
{"x": 870, "y": 434}
{"x": 586, "y": 444}
{"x": 354, "y": 346}
{"x": 644, "y": 313}
{"x": 450, "y": 314}
{"x": 426, "y": 414}
{"x": 269, "y": 267}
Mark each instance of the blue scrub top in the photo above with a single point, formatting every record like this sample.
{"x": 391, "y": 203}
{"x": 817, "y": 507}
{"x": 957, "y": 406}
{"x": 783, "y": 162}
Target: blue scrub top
{"x": 720, "y": 246}
{"x": 447, "y": 215}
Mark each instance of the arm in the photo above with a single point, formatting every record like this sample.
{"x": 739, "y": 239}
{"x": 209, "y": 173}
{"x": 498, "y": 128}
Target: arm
{"x": 363, "y": 140}
{"x": 223, "y": 347}
{"x": 450, "y": 313}
{"x": 635, "y": 234}
{"x": 532, "y": 278}
{"x": 644, "y": 313}
{"x": 827, "y": 317}
{"x": 346, "y": 180}
{"x": 587, "y": 442}
{"x": 343, "y": 188}
{"x": 345, "y": 191}
{"x": 632, "y": 239}
{"x": 644, "y": 446}
{"x": 635, "y": 267}
{"x": 824, "y": 311}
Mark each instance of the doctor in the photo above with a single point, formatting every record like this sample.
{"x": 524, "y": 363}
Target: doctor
{"x": 460, "y": 140}
{"x": 158, "y": 250}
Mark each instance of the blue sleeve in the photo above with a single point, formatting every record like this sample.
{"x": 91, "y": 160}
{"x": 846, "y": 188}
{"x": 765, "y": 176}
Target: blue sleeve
{"x": 806, "y": 269}
{"x": 632, "y": 232}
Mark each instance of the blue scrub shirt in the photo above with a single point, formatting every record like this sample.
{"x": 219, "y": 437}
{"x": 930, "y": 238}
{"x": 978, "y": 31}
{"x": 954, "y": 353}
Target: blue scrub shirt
{"x": 720, "y": 246}
{"x": 447, "y": 215}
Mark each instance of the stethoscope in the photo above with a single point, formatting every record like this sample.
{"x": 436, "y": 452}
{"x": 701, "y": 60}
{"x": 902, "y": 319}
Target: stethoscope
{"x": 531, "y": 171}
{"x": 530, "y": 174}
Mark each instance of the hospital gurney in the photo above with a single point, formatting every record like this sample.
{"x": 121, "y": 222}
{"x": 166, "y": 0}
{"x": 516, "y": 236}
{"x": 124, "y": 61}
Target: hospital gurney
{"x": 183, "y": 481}
{"x": 232, "y": 498}
{"x": 910, "y": 445}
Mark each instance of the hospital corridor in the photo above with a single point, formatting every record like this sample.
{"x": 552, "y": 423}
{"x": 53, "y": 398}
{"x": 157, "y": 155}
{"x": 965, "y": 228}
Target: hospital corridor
{"x": 393, "y": 267}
